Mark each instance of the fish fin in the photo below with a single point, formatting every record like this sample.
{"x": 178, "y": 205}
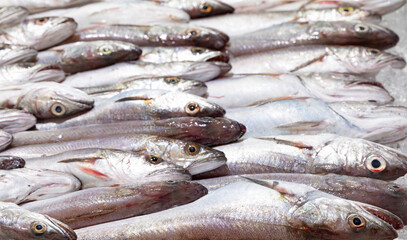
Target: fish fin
{"x": 134, "y": 98}
{"x": 274, "y": 185}
{"x": 306, "y": 64}
{"x": 289, "y": 143}
{"x": 83, "y": 160}
{"x": 304, "y": 126}
{"x": 94, "y": 173}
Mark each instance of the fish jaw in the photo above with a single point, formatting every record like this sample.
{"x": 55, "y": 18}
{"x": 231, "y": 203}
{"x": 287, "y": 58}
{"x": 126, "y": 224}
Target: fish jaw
{"x": 61, "y": 230}
{"x": 5, "y": 139}
{"x": 174, "y": 173}
{"x": 213, "y": 39}
{"x": 197, "y": 167}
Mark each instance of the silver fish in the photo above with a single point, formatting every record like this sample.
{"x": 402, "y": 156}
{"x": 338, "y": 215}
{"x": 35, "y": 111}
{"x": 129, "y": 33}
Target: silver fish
{"x": 201, "y": 71}
{"x": 42, "y": 5}
{"x": 5, "y": 139}
{"x": 199, "y": 8}
{"x": 14, "y": 120}
{"x": 13, "y": 53}
{"x": 249, "y": 210}
{"x": 12, "y": 15}
{"x": 305, "y": 59}
{"x": 24, "y": 184}
{"x": 39, "y": 33}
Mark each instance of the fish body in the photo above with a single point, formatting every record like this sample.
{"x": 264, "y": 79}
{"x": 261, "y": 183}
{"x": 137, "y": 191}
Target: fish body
{"x": 12, "y": 15}
{"x": 42, "y": 5}
{"x": 199, "y": 9}
{"x": 21, "y": 73}
{"x": 5, "y": 139}
{"x": 11, "y": 162}
{"x": 14, "y": 120}
{"x": 13, "y": 54}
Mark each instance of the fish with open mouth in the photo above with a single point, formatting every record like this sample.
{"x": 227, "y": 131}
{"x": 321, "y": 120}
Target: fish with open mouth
{"x": 14, "y": 120}
{"x": 12, "y": 15}
{"x": 5, "y": 139}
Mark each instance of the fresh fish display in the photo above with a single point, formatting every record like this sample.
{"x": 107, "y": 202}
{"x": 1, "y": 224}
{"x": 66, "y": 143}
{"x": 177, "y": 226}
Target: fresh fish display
{"x": 156, "y": 35}
{"x": 253, "y": 211}
{"x": 306, "y": 59}
{"x": 20, "y": 224}
{"x": 244, "y": 23}
{"x": 11, "y": 162}
{"x": 96, "y": 205}
{"x": 42, "y": 5}
{"x": 46, "y": 100}
{"x": 316, "y": 154}
{"x": 312, "y": 33}
{"x": 207, "y": 131}
{"x": 99, "y": 54}
{"x": 200, "y": 71}
{"x": 39, "y": 33}
{"x": 163, "y": 83}
{"x": 14, "y": 120}
{"x": 194, "y": 157}
{"x": 5, "y": 139}
{"x": 120, "y": 12}
{"x": 12, "y": 15}
{"x": 179, "y": 54}
{"x": 386, "y": 195}
{"x": 24, "y": 184}
{"x": 250, "y": 90}
{"x": 13, "y": 54}
{"x": 199, "y": 8}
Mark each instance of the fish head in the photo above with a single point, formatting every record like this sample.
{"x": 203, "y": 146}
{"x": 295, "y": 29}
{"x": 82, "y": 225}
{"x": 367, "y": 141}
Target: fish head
{"x": 13, "y": 120}
{"x": 53, "y": 100}
{"x": 11, "y": 162}
{"x": 158, "y": 169}
{"x": 113, "y": 51}
{"x": 336, "y": 218}
{"x": 206, "y": 37}
{"x": 205, "y": 71}
{"x": 12, "y": 15}
{"x": 37, "y": 72}
{"x": 206, "y": 8}
{"x": 341, "y": 13}
{"x": 182, "y": 85}
{"x": 5, "y": 139}
{"x": 49, "y": 31}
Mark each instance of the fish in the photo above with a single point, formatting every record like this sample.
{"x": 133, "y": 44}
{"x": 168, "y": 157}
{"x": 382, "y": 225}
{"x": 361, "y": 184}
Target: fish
{"x": 134, "y": 83}
{"x": 313, "y": 33}
{"x": 198, "y": 8}
{"x": 96, "y": 167}
{"x": 156, "y": 35}
{"x": 314, "y": 154}
{"x": 243, "y": 23}
{"x": 105, "y": 204}
{"x": 10, "y": 54}
{"x": 47, "y": 99}
{"x": 42, "y": 5}
{"x": 207, "y": 131}
{"x": 29, "y": 72}
{"x": 119, "y": 12}
{"x": 140, "y": 105}
{"x": 12, "y": 15}
{"x": 179, "y": 54}
{"x": 383, "y": 194}
{"x": 19, "y": 224}
{"x": 5, "y": 139}
{"x": 24, "y": 184}
{"x": 249, "y": 210}
{"x": 14, "y": 120}
{"x": 194, "y": 157}
{"x": 11, "y": 162}
{"x": 39, "y": 33}
{"x": 249, "y": 90}
{"x": 317, "y": 58}
{"x": 71, "y": 57}
{"x": 381, "y": 124}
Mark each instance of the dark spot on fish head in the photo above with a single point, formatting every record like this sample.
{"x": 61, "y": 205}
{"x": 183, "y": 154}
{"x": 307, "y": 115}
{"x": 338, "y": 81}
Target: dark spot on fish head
{"x": 26, "y": 65}
{"x": 171, "y": 182}
{"x": 372, "y": 101}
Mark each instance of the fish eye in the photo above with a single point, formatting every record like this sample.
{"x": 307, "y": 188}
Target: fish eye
{"x": 38, "y": 228}
{"x": 395, "y": 188}
{"x": 172, "y": 182}
{"x": 376, "y": 164}
{"x": 192, "y": 108}
{"x": 192, "y": 149}
{"x": 361, "y": 28}
{"x": 356, "y": 221}
{"x": 346, "y": 10}
{"x": 205, "y": 8}
{"x": 193, "y": 33}
{"x": 106, "y": 50}
{"x": 172, "y": 80}
{"x": 197, "y": 50}
{"x": 58, "y": 109}
{"x": 374, "y": 51}
{"x": 41, "y": 21}
{"x": 154, "y": 159}
{"x": 26, "y": 65}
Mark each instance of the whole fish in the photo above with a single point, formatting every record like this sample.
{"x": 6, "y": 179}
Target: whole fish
{"x": 13, "y": 53}
{"x": 19, "y": 224}
{"x": 200, "y": 71}
{"x": 12, "y": 15}
{"x": 39, "y": 33}
{"x": 119, "y": 12}
{"x": 105, "y": 204}
{"x": 5, "y": 139}
{"x": 378, "y": 6}
{"x": 179, "y": 54}
{"x": 156, "y": 35}
{"x": 316, "y": 154}
{"x": 21, "y": 73}
{"x": 11, "y": 162}
{"x": 194, "y": 157}
{"x": 382, "y": 124}
{"x": 317, "y": 58}
{"x": 96, "y": 167}
{"x": 24, "y": 184}
{"x": 247, "y": 210}
{"x": 244, "y": 23}
{"x": 14, "y": 120}
{"x": 386, "y": 195}
{"x": 71, "y": 57}
{"x": 207, "y": 131}
{"x": 312, "y": 33}
{"x": 163, "y": 83}
{"x": 42, "y": 5}
{"x": 141, "y": 105}
{"x": 46, "y": 100}
{"x": 249, "y": 90}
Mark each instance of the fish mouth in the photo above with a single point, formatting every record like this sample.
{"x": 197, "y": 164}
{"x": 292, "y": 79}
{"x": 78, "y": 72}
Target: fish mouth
{"x": 206, "y": 165}
{"x": 62, "y": 230}
{"x": 393, "y": 61}
{"x": 243, "y": 129}
{"x": 219, "y": 57}
{"x": 384, "y": 215}
{"x": 224, "y": 67}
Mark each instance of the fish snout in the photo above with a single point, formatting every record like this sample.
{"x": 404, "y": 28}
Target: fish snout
{"x": 60, "y": 231}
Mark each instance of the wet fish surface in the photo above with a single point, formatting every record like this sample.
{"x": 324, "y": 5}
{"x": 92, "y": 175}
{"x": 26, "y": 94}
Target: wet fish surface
{"x": 42, "y": 5}
{"x": 5, "y": 139}
{"x": 12, "y": 15}
{"x": 13, "y": 54}
{"x": 11, "y": 162}
{"x": 14, "y": 120}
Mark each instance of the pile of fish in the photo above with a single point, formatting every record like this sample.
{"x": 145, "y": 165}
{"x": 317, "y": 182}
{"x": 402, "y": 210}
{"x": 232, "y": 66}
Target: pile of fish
{"x": 199, "y": 119}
